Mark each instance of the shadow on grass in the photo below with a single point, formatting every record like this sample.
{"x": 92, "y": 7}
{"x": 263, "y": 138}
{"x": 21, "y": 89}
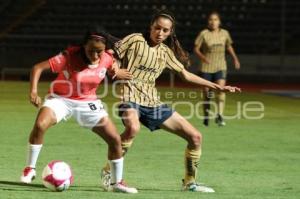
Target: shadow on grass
{"x": 21, "y": 184}
{"x": 79, "y": 188}
{"x": 160, "y": 190}
{"x": 17, "y": 186}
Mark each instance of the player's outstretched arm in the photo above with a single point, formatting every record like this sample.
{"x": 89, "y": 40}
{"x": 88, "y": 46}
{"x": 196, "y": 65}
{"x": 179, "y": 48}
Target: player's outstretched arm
{"x": 35, "y": 75}
{"x": 192, "y": 78}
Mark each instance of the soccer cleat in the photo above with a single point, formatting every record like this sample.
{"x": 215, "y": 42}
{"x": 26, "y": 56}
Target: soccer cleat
{"x": 220, "y": 121}
{"x": 28, "y": 175}
{"x": 105, "y": 179}
{"x": 195, "y": 187}
{"x": 121, "y": 187}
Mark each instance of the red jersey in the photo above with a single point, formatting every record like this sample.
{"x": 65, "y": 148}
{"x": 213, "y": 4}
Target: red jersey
{"x": 76, "y": 79}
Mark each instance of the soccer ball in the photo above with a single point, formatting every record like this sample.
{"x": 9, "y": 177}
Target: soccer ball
{"x": 57, "y": 176}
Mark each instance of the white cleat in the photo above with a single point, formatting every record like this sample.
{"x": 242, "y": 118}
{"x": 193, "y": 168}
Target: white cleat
{"x": 105, "y": 179}
{"x": 195, "y": 187}
{"x": 28, "y": 175}
{"x": 121, "y": 187}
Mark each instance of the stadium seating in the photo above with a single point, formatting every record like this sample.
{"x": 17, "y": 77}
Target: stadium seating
{"x": 255, "y": 25}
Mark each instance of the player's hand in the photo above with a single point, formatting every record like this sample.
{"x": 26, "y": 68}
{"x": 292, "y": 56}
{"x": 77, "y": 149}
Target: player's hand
{"x": 231, "y": 89}
{"x": 123, "y": 74}
{"x": 35, "y": 99}
{"x": 237, "y": 64}
{"x": 111, "y": 51}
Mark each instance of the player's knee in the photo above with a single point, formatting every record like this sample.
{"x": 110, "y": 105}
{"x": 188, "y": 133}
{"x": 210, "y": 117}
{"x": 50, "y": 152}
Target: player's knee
{"x": 221, "y": 96}
{"x": 132, "y": 130}
{"x": 196, "y": 139}
{"x": 41, "y": 125}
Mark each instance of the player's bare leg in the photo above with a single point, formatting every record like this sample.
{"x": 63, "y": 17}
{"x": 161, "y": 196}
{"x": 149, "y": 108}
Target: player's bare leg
{"x": 45, "y": 119}
{"x": 178, "y": 125}
{"x": 132, "y": 126}
{"x": 220, "y": 103}
{"x": 107, "y": 130}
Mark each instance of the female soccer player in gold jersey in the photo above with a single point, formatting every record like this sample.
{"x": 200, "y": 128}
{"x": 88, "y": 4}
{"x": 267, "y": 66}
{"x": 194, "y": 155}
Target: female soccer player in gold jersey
{"x": 210, "y": 47}
{"x": 146, "y": 56}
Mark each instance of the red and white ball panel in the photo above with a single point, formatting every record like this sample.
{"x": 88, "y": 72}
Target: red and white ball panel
{"x": 57, "y": 176}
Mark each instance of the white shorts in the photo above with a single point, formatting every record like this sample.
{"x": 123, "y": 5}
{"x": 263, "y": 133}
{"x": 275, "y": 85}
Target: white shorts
{"x": 86, "y": 113}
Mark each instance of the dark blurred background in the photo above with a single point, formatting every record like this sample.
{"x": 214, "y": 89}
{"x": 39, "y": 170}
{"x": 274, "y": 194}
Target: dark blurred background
{"x": 265, "y": 32}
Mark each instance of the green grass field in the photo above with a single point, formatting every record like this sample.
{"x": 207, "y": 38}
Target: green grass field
{"x": 246, "y": 159}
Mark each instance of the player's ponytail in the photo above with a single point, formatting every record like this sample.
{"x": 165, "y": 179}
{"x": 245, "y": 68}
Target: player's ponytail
{"x": 180, "y": 53}
{"x": 97, "y": 32}
{"x": 172, "y": 41}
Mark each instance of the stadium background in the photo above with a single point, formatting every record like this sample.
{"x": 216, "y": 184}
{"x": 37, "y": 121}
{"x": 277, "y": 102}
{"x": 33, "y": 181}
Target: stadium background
{"x": 264, "y": 31}
{"x": 246, "y": 159}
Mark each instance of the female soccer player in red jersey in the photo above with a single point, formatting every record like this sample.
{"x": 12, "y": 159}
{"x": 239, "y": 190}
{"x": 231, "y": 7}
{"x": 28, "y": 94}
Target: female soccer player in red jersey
{"x": 80, "y": 70}
{"x": 146, "y": 56}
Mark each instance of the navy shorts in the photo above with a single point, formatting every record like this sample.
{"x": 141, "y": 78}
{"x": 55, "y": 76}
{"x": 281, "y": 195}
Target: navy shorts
{"x": 213, "y": 77}
{"x": 150, "y": 117}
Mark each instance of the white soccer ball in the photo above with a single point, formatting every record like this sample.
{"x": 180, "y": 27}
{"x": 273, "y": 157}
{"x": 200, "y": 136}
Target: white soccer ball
{"x": 57, "y": 176}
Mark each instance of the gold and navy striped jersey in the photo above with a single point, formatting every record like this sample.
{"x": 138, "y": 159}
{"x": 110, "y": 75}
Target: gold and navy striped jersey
{"x": 213, "y": 46}
{"x": 146, "y": 64}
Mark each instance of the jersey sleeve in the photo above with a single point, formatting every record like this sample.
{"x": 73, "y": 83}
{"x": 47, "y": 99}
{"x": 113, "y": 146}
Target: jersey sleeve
{"x": 58, "y": 63}
{"x": 173, "y": 63}
{"x": 228, "y": 41}
{"x": 123, "y": 45}
{"x": 109, "y": 60}
{"x": 199, "y": 39}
